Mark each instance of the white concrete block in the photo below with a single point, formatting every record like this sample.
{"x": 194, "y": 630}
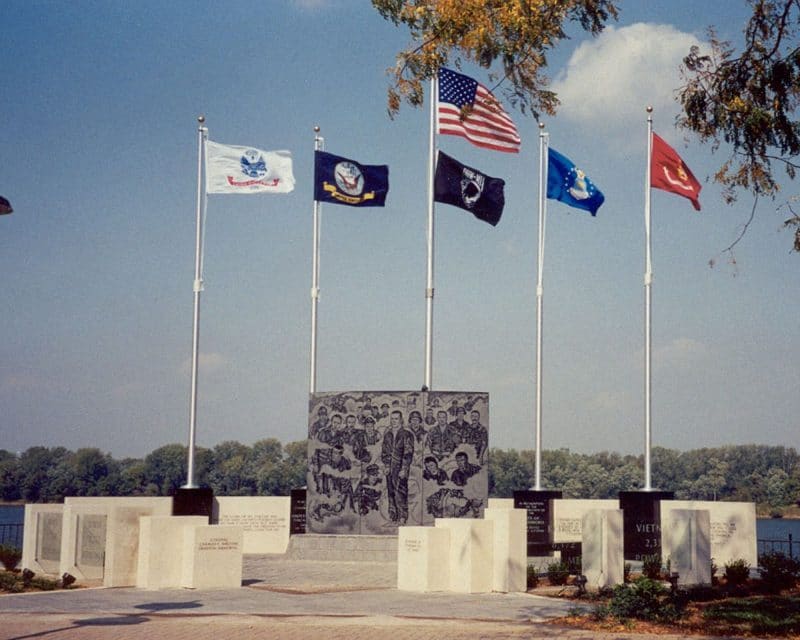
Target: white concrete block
{"x": 161, "y": 545}
{"x": 41, "y": 538}
{"x": 264, "y": 520}
{"x": 602, "y": 553}
{"x": 732, "y": 528}
{"x": 568, "y": 517}
{"x": 423, "y": 559}
{"x": 510, "y": 549}
{"x": 471, "y": 554}
{"x": 212, "y": 557}
{"x": 686, "y": 543}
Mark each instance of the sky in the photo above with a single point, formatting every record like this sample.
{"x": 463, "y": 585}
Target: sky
{"x": 98, "y": 135}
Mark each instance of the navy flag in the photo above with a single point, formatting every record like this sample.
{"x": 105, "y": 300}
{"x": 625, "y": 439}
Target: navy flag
{"x": 344, "y": 181}
{"x": 567, "y": 183}
{"x": 469, "y": 189}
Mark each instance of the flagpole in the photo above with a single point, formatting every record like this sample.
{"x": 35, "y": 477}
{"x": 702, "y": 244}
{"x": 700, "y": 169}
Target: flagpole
{"x": 198, "y": 287}
{"x": 543, "y": 145}
{"x": 319, "y": 142}
{"x": 429, "y": 282}
{"x": 648, "y": 281}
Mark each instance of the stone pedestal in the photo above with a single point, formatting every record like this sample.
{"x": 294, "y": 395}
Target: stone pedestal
{"x": 423, "y": 559}
{"x": 509, "y": 572}
{"x": 641, "y": 519}
{"x": 212, "y": 557}
{"x": 686, "y": 543}
{"x": 602, "y": 548}
{"x": 539, "y": 507}
{"x": 471, "y": 554}
{"x": 197, "y": 501}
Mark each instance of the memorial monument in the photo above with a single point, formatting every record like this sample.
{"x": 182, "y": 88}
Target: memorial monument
{"x": 380, "y": 460}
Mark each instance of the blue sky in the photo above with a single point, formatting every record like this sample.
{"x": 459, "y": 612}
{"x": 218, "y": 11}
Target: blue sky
{"x": 98, "y": 134}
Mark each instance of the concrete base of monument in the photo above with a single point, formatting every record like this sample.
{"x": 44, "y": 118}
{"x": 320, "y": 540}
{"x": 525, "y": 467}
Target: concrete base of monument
{"x": 343, "y": 548}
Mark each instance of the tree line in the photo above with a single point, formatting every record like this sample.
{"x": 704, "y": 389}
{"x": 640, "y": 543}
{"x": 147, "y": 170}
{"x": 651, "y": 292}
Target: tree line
{"x": 766, "y": 475}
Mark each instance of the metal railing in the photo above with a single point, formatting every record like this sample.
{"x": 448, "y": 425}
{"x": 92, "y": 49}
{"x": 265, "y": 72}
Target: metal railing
{"x": 787, "y": 547}
{"x": 11, "y": 535}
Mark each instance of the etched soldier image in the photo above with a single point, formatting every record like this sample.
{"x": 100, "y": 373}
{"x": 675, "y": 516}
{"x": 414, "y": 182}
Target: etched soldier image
{"x": 433, "y": 472}
{"x": 464, "y": 471}
{"x": 396, "y": 455}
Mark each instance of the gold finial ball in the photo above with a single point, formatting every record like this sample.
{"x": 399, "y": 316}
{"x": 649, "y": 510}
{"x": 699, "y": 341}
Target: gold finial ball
{"x": 201, "y": 119}
{"x": 316, "y": 128}
{"x": 649, "y": 109}
{"x": 541, "y": 125}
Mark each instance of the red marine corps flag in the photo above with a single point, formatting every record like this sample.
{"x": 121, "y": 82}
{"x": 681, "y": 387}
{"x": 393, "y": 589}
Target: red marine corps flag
{"x": 669, "y": 172}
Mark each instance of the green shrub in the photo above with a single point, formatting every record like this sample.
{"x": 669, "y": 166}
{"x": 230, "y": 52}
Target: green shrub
{"x": 44, "y": 584}
{"x": 778, "y": 571}
{"x": 737, "y": 572}
{"x": 651, "y": 566}
{"x": 643, "y": 599}
{"x": 9, "y": 556}
{"x": 9, "y": 582}
{"x": 557, "y": 573}
{"x": 532, "y": 576}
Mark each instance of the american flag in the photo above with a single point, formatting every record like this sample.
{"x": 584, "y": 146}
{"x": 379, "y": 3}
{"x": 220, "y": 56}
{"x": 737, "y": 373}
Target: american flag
{"x": 486, "y": 125}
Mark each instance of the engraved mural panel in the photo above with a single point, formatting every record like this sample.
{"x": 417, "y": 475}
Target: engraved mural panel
{"x": 383, "y": 459}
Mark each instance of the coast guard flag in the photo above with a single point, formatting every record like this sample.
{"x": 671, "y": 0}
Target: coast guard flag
{"x": 567, "y": 183}
{"x": 468, "y": 109}
{"x": 231, "y": 169}
{"x": 468, "y": 189}
{"x": 342, "y": 181}
{"x": 669, "y": 172}
{"x": 5, "y": 206}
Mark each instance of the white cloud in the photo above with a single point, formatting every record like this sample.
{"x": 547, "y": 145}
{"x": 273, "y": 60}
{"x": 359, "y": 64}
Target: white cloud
{"x": 680, "y": 352}
{"x": 610, "y": 80}
{"x": 208, "y": 363}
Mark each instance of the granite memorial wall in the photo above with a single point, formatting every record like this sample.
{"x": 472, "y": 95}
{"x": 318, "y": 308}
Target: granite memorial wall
{"x": 383, "y": 459}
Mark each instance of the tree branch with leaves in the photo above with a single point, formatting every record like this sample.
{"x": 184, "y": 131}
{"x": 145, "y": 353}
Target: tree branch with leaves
{"x": 510, "y": 38}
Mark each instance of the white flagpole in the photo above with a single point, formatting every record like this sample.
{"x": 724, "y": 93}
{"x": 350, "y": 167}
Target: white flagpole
{"x": 648, "y": 281}
{"x": 202, "y": 132}
{"x": 429, "y": 281}
{"x": 319, "y": 142}
{"x": 543, "y": 146}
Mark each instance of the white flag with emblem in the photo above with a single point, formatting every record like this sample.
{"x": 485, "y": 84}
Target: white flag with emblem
{"x": 232, "y": 169}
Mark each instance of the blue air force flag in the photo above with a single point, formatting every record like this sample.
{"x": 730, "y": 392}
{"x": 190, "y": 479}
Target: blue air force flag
{"x": 231, "y": 169}
{"x": 344, "y": 181}
{"x": 469, "y": 189}
{"x": 570, "y": 185}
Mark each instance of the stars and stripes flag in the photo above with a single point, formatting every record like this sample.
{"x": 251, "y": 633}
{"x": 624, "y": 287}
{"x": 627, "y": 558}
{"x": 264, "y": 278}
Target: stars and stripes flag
{"x": 468, "y": 109}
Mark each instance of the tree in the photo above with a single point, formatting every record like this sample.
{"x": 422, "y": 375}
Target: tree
{"x": 517, "y": 34}
{"x": 749, "y": 102}
{"x": 165, "y": 468}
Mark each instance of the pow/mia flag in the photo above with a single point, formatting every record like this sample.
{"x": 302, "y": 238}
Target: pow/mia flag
{"x": 469, "y": 189}
{"x": 344, "y": 181}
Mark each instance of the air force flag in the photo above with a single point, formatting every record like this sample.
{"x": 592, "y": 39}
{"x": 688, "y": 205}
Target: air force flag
{"x": 344, "y": 181}
{"x": 469, "y": 189}
{"x": 567, "y": 183}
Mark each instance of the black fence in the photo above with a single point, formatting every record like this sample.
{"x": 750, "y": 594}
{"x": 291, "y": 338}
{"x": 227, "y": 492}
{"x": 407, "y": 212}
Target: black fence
{"x": 11, "y": 535}
{"x": 787, "y": 547}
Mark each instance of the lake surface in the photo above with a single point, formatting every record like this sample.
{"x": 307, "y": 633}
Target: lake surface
{"x": 12, "y": 513}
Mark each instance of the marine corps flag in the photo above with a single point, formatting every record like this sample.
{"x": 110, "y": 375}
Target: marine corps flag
{"x": 669, "y": 172}
{"x": 5, "y": 206}
{"x": 342, "y": 181}
{"x": 469, "y": 189}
